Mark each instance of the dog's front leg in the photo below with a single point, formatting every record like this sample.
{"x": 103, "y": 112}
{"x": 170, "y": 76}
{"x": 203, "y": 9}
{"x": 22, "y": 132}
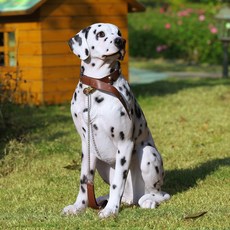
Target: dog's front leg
{"x": 87, "y": 174}
{"x": 123, "y": 158}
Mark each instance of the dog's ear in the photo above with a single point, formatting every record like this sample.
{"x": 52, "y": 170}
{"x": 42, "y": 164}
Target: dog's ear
{"x": 78, "y": 44}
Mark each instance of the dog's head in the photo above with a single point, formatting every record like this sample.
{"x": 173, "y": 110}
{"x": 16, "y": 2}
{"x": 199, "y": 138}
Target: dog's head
{"x": 101, "y": 40}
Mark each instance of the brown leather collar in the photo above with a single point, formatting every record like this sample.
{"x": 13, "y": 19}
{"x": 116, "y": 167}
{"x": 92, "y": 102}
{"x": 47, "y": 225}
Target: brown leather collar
{"x": 104, "y": 84}
{"x": 107, "y": 79}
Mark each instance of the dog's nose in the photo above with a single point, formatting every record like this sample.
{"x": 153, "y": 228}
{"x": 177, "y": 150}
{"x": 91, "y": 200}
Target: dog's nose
{"x": 120, "y": 42}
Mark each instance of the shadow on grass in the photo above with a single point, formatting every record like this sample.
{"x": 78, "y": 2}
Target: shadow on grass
{"x": 177, "y": 181}
{"x": 172, "y": 85}
{"x": 22, "y": 120}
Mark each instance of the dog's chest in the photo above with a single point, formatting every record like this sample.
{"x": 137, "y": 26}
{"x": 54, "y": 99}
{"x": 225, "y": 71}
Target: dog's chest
{"x": 100, "y": 104}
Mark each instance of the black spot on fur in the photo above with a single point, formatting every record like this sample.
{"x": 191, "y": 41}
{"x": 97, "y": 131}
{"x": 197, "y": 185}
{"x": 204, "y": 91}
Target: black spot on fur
{"x": 70, "y": 42}
{"x": 105, "y": 39}
{"x": 127, "y": 92}
{"x": 122, "y": 135}
{"x": 83, "y": 129}
{"x": 95, "y": 127}
{"x": 83, "y": 180}
{"x": 120, "y": 88}
{"x": 134, "y": 128}
{"x": 112, "y": 131}
{"x": 137, "y": 110}
{"x": 91, "y": 171}
{"x": 75, "y": 96}
{"x": 118, "y": 151}
{"x": 93, "y": 64}
{"x": 123, "y": 161}
{"x": 125, "y": 173}
{"x": 75, "y": 115}
{"x": 119, "y": 33}
{"x": 92, "y": 47}
{"x": 78, "y": 39}
{"x": 95, "y": 31}
{"x": 82, "y": 189}
{"x": 83, "y": 202}
{"x": 132, "y": 111}
{"x": 80, "y": 85}
{"x": 86, "y": 31}
{"x": 148, "y": 163}
{"x": 114, "y": 186}
{"x": 85, "y": 110}
{"x": 99, "y": 100}
{"x": 122, "y": 113}
{"x": 86, "y": 52}
{"x": 157, "y": 169}
{"x": 155, "y": 184}
{"x": 82, "y": 70}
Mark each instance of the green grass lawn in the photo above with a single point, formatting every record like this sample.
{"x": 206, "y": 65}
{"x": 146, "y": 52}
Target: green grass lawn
{"x": 190, "y": 121}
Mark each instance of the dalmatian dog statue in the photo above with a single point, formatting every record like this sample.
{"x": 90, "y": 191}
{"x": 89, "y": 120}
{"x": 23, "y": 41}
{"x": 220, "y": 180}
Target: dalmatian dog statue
{"x": 112, "y": 127}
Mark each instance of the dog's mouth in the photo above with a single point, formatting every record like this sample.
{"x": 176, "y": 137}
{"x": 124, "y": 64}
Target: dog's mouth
{"x": 120, "y": 54}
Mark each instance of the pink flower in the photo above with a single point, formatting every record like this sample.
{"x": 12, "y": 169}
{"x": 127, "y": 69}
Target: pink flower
{"x": 167, "y": 26}
{"x": 161, "y": 48}
{"x": 185, "y": 13}
{"x": 158, "y": 49}
{"x": 201, "y": 17}
{"x": 162, "y": 10}
{"x": 213, "y": 30}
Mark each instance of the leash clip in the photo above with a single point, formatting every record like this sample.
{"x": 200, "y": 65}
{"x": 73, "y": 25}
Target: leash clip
{"x": 89, "y": 90}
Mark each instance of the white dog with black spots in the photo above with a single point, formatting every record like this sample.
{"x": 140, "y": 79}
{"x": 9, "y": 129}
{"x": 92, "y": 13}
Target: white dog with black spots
{"x": 121, "y": 145}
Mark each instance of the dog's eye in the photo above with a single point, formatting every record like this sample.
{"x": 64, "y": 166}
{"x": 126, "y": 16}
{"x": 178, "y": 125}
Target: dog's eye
{"x": 101, "y": 34}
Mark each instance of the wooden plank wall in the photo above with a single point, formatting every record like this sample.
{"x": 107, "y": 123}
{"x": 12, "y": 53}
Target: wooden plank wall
{"x": 62, "y": 19}
{"x": 29, "y": 57}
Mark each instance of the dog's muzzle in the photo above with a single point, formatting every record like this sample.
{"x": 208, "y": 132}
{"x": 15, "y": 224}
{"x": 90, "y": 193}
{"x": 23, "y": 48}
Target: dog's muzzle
{"x": 120, "y": 44}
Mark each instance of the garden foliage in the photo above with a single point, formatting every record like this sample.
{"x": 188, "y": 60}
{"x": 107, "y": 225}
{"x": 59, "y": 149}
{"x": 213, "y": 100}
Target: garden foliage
{"x": 187, "y": 32}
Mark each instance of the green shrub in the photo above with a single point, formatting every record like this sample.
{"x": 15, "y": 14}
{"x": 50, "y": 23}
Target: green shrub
{"x": 188, "y": 33}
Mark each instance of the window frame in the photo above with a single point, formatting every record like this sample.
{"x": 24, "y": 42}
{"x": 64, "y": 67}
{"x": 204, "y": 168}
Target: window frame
{"x": 6, "y": 48}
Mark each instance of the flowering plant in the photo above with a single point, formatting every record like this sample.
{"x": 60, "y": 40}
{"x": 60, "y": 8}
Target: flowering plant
{"x": 188, "y": 33}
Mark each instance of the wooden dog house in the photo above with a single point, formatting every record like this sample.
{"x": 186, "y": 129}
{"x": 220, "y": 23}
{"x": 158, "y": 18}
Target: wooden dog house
{"x": 33, "y": 43}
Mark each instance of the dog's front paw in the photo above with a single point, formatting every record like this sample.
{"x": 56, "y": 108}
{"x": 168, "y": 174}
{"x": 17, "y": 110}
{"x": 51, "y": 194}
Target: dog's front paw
{"x": 147, "y": 201}
{"x": 72, "y": 209}
{"x": 108, "y": 211}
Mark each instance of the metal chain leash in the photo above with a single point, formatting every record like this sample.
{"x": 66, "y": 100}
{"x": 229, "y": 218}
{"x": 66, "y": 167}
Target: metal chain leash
{"x": 90, "y": 128}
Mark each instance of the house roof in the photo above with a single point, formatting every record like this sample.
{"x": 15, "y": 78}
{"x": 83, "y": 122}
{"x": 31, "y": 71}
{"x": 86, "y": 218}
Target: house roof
{"x": 23, "y": 7}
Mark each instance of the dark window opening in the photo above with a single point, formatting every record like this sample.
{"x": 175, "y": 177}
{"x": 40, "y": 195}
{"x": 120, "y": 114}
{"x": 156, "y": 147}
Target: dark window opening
{"x": 7, "y": 48}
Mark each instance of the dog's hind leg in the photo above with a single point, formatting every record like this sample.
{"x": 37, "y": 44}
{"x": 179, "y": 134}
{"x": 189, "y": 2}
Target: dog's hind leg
{"x": 152, "y": 173}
